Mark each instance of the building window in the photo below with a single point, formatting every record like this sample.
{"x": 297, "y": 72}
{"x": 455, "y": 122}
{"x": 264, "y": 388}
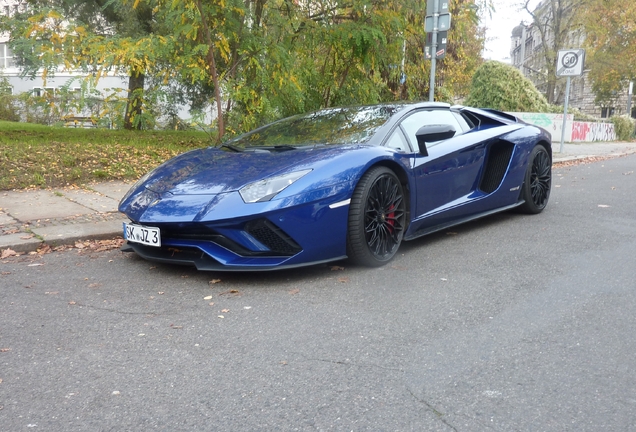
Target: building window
{"x": 607, "y": 112}
{"x": 6, "y": 90}
{"x": 46, "y": 91}
{"x": 6, "y": 56}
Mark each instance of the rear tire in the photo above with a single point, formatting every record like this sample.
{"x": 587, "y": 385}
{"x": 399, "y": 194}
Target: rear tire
{"x": 377, "y": 215}
{"x": 538, "y": 181}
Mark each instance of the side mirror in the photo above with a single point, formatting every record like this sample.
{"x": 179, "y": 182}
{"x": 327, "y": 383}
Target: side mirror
{"x": 432, "y": 133}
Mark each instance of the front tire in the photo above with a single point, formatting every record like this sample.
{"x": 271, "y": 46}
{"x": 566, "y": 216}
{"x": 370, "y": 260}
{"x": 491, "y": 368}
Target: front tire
{"x": 538, "y": 181}
{"x": 377, "y": 216}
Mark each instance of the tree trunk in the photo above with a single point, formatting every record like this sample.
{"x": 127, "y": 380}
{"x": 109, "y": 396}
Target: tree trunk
{"x": 213, "y": 71}
{"x": 135, "y": 101}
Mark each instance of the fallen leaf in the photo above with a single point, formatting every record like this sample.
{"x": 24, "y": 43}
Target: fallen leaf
{"x": 5, "y": 349}
{"x": 214, "y": 281}
{"x": 225, "y": 310}
{"x": 294, "y": 291}
{"x": 35, "y": 265}
{"x": 160, "y": 292}
{"x": 221, "y": 316}
{"x": 94, "y": 285}
{"x": 72, "y": 302}
{"x": 336, "y": 268}
{"x": 52, "y": 292}
{"x": 211, "y": 303}
{"x": 343, "y": 280}
{"x": 207, "y": 298}
{"x": 232, "y": 291}
{"x": 451, "y": 233}
{"x": 4, "y": 273}
{"x": 176, "y": 327}
{"x": 603, "y": 205}
{"x": 26, "y": 237}
{"x": 7, "y": 253}
{"x": 44, "y": 249}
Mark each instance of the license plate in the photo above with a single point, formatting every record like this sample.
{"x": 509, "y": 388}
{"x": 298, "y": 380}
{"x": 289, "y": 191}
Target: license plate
{"x": 149, "y": 236}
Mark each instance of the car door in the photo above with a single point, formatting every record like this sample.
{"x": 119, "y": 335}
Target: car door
{"x": 448, "y": 175}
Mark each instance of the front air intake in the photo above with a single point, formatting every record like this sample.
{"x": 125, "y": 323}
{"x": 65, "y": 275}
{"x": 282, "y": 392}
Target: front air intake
{"x": 272, "y": 237}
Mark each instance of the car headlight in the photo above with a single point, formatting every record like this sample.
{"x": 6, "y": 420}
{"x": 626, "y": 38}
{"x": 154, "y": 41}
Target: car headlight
{"x": 265, "y": 190}
{"x": 134, "y": 187}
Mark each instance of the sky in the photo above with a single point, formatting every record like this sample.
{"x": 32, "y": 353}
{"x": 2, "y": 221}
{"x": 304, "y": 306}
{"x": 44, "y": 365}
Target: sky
{"x": 499, "y": 28}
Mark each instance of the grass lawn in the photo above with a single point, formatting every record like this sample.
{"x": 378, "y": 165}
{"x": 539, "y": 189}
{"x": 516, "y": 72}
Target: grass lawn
{"x": 41, "y": 156}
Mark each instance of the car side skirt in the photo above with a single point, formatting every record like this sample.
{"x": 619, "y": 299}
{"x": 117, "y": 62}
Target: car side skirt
{"x": 429, "y": 230}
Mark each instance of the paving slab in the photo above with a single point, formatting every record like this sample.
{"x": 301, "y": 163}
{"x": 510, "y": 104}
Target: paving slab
{"x": 5, "y": 219}
{"x": 114, "y": 190}
{"x": 69, "y": 234}
{"x": 39, "y": 204}
{"x": 91, "y": 200}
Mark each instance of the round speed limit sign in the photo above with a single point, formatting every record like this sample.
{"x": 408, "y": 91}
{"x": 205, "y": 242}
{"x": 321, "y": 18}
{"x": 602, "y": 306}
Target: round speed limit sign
{"x": 570, "y": 62}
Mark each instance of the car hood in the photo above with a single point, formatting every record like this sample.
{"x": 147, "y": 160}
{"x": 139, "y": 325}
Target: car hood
{"x": 213, "y": 171}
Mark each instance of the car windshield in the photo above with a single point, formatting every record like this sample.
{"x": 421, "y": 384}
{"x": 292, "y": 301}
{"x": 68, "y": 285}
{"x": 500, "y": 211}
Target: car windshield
{"x": 351, "y": 125}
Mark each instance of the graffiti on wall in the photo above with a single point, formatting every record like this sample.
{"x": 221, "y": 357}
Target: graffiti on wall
{"x": 553, "y": 123}
{"x": 575, "y": 131}
{"x": 587, "y": 132}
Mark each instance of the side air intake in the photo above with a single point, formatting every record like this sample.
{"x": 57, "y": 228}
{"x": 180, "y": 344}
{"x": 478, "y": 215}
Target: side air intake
{"x": 497, "y": 161}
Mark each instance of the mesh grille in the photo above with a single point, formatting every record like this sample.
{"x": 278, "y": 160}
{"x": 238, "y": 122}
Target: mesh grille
{"x": 496, "y": 166}
{"x": 273, "y": 237}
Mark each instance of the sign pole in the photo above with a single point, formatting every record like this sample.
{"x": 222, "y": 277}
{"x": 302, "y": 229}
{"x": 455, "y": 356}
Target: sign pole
{"x": 569, "y": 63}
{"x": 565, "y": 112}
{"x": 431, "y": 91}
{"x": 629, "y": 98}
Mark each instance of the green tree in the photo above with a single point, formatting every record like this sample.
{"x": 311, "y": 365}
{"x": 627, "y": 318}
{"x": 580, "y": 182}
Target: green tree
{"x": 610, "y": 28}
{"x": 255, "y": 60}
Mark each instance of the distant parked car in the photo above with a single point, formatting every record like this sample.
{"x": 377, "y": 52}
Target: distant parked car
{"x": 338, "y": 183}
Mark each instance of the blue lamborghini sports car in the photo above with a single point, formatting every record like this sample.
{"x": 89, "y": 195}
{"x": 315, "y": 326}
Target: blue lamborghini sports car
{"x": 337, "y": 183}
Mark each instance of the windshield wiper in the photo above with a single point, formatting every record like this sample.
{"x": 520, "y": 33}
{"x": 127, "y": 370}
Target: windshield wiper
{"x": 232, "y": 147}
{"x": 285, "y": 147}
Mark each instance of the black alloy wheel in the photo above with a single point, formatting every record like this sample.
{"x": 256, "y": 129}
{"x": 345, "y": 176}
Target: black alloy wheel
{"x": 377, "y": 215}
{"x": 538, "y": 181}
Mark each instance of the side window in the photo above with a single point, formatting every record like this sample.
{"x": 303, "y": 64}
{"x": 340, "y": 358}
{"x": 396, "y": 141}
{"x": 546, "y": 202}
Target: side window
{"x": 466, "y": 126}
{"x": 398, "y": 141}
{"x": 415, "y": 121}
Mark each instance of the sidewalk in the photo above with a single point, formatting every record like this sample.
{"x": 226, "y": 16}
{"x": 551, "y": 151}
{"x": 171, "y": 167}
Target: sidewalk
{"x": 63, "y": 216}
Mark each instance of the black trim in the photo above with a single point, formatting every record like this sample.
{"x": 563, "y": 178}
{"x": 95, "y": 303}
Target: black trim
{"x": 430, "y": 230}
{"x": 496, "y": 165}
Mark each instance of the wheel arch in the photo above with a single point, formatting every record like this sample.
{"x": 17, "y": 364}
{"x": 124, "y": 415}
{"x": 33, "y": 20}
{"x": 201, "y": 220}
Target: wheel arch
{"x": 548, "y": 147}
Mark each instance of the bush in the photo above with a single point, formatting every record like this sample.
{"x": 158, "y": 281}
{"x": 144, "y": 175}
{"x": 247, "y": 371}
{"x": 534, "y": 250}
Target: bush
{"x": 623, "y": 126}
{"x": 500, "y": 86}
{"x": 8, "y": 108}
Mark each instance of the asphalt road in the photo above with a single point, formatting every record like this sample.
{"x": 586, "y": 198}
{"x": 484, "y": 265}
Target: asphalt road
{"x": 509, "y": 323}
